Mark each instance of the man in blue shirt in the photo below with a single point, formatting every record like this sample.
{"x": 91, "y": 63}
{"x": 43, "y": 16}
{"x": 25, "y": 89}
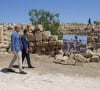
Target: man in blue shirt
{"x": 16, "y": 47}
{"x": 25, "y": 50}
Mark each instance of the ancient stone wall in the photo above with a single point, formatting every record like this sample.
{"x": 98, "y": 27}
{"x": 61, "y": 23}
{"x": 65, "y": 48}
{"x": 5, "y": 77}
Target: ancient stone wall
{"x": 41, "y": 39}
{"x": 42, "y": 42}
{"x": 1, "y": 34}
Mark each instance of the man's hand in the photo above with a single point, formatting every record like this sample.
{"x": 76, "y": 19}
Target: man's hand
{"x": 27, "y": 51}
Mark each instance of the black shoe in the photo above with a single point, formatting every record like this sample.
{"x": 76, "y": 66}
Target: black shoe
{"x": 10, "y": 70}
{"x": 22, "y": 67}
{"x": 31, "y": 67}
{"x": 22, "y": 72}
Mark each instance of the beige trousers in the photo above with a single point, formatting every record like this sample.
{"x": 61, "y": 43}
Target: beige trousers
{"x": 19, "y": 56}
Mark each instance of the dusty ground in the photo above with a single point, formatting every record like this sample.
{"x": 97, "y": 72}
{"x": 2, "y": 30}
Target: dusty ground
{"x": 50, "y": 76}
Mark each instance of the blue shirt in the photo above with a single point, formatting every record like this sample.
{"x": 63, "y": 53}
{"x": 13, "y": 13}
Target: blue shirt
{"x": 16, "y": 44}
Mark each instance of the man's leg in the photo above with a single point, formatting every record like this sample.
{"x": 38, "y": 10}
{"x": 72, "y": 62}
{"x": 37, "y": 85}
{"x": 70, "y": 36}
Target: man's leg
{"x": 19, "y": 54}
{"x": 23, "y": 56}
{"x": 28, "y": 60}
{"x": 12, "y": 61}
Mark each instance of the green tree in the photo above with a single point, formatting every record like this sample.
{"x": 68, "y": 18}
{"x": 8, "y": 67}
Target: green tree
{"x": 50, "y": 21}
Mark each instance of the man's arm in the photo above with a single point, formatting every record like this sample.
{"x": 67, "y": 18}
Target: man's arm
{"x": 12, "y": 43}
{"x": 24, "y": 42}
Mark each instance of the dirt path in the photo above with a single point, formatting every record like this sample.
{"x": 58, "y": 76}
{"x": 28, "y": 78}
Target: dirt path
{"x": 47, "y": 82}
{"x": 50, "y": 76}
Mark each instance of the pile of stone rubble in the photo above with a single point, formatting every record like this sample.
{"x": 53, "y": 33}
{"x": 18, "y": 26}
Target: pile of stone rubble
{"x": 74, "y": 58}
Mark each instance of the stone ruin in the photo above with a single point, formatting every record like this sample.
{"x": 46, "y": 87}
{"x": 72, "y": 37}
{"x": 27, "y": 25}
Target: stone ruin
{"x": 42, "y": 42}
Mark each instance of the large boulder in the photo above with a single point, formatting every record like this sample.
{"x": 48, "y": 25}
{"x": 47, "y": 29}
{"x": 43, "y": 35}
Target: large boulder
{"x": 80, "y": 58}
{"x": 95, "y": 58}
{"x": 58, "y": 58}
{"x": 98, "y": 52}
{"x": 65, "y": 58}
{"x": 97, "y": 45}
{"x": 67, "y": 61}
{"x": 67, "y": 53}
{"x": 88, "y": 53}
{"x": 61, "y": 52}
{"x": 72, "y": 56}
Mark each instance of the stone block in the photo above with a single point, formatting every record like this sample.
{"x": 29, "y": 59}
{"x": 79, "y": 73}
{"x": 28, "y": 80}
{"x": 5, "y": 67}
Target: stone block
{"x": 31, "y": 38}
{"x": 46, "y": 35}
{"x": 39, "y": 43}
{"x": 53, "y": 38}
{"x": 38, "y": 36}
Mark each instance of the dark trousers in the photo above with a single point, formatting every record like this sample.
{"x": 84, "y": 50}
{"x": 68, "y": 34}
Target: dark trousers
{"x": 27, "y": 55}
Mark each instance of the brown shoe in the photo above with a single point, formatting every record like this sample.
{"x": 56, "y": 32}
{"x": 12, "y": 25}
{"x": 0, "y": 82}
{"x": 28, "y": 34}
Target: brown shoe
{"x": 22, "y": 72}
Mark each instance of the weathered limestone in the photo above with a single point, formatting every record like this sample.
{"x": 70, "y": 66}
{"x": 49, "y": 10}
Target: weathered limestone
{"x": 48, "y": 44}
{"x": 89, "y": 53}
{"x": 95, "y": 58}
{"x": 61, "y": 52}
{"x": 80, "y": 58}
{"x": 40, "y": 27}
{"x": 38, "y": 36}
{"x": 53, "y": 38}
{"x": 31, "y": 38}
{"x": 58, "y": 58}
{"x": 65, "y": 60}
{"x": 44, "y": 44}
{"x": 39, "y": 43}
{"x": 46, "y": 35}
{"x": 1, "y": 34}
{"x": 52, "y": 43}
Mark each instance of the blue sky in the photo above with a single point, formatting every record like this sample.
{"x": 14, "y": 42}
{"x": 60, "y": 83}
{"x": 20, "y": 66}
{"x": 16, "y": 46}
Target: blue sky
{"x": 69, "y": 10}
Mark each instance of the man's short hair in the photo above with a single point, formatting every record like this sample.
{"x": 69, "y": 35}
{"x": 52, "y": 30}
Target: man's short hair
{"x": 17, "y": 26}
{"x": 25, "y": 31}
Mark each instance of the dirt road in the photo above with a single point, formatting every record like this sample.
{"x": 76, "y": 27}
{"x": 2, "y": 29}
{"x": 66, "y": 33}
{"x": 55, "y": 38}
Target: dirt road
{"x": 50, "y": 76}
